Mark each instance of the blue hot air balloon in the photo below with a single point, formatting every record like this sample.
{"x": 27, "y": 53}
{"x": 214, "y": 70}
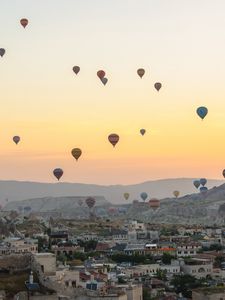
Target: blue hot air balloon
{"x": 197, "y": 183}
{"x": 144, "y": 196}
{"x": 202, "y": 112}
{"x": 203, "y": 181}
{"x": 203, "y": 190}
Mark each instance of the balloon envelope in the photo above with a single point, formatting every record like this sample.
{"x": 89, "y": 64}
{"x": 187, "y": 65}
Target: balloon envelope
{"x": 144, "y": 196}
{"x": 16, "y": 139}
{"x": 176, "y": 193}
{"x": 142, "y": 131}
{"x": 126, "y": 196}
{"x": 197, "y": 183}
{"x": 2, "y": 52}
{"x": 203, "y": 181}
{"x": 203, "y": 190}
{"x": 224, "y": 173}
{"x": 58, "y": 172}
{"x": 90, "y": 202}
{"x": 76, "y": 69}
{"x": 141, "y": 72}
{"x": 24, "y": 22}
{"x": 101, "y": 74}
{"x": 154, "y": 203}
{"x": 157, "y": 86}
{"x": 76, "y": 152}
{"x": 113, "y": 139}
{"x": 104, "y": 80}
{"x": 202, "y": 112}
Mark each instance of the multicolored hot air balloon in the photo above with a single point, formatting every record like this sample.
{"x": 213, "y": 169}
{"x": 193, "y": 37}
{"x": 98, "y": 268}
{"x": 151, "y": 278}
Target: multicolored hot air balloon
{"x": 126, "y": 196}
{"x": 202, "y": 112}
{"x": 142, "y": 131}
{"x": 76, "y": 152}
{"x": 197, "y": 183}
{"x": 16, "y": 139}
{"x": 154, "y": 203}
{"x": 90, "y": 201}
{"x": 2, "y": 52}
{"x": 76, "y": 69}
{"x": 144, "y": 196}
{"x": 141, "y": 72}
{"x": 113, "y": 139}
{"x": 176, "y": 193}
{"x": 203, "y": 181}
{"x": 104, "y": 80}
{"x": 24, "y": 22}
{"x": 101, "y": 74}
{"x": 158, "y": 86}
{"x": 224, "y": 173}
{"x": 58, "y": 172}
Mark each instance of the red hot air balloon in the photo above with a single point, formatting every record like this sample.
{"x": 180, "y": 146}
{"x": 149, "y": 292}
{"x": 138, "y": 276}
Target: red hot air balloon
{"x": 141, "y": 72}
{"x": 58, "y": 173}
{"x": 157, "y": 86}
{"x": 101, "y": 74}
{"x": 76, "y": 69}
{"x": 16, "y": 139}
{"x": 154, "y": 203}
{"x": 24, "y": 22}
{"x": 90, "y": 202}
{"x": 113, "y": 139}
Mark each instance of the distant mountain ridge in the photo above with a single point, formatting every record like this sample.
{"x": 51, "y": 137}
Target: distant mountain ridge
{"x": 19, "y": 190}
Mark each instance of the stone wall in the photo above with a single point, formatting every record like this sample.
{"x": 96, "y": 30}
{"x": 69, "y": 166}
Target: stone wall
{"x": 15, "y": 263}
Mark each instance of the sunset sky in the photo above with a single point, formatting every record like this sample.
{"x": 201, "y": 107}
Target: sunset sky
{"x": 180, "y": 43}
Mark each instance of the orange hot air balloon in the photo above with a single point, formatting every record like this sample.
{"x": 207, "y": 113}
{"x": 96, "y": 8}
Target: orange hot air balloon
{"x": 176, "y": 193}
{"x": 24, "y": 22}
{"x": 113, "y": 139}
{"x": 101, "y": 74}
{"x": 76, "y": 152}
{"x": 154, "y": 203}
{"x": 157, "y": 86}
{"x": 141, "y": 72}
{"x": 76, "y": 69}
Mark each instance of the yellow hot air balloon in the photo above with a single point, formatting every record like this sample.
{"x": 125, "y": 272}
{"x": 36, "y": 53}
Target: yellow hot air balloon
{"x": 126, "y": 196}
{"x": 76, "y": 152}
{"x": 176, "y": 193}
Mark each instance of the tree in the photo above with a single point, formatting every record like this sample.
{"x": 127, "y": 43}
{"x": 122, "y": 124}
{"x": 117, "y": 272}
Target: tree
{"x": 166, "y": 258}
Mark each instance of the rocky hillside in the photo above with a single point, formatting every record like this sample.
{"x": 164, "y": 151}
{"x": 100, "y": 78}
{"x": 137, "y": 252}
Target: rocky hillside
{"x": 190, "y": 209}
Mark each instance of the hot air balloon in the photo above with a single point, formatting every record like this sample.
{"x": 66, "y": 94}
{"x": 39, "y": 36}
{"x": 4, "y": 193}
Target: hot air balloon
{"x": 113, "y": 139}
{"x": 90, "y": 202}
{"x": 126, "y": 196}
{"x": 202, "y": 112}
{"x": 203, "y": 181}
{"x": 16, "y": 139}
{"x": 76, "y": 69}
{"x": 58, "y": 173}
{"x": 141, "y": 72}
{"x": 157, "y": 86}
{"x": 224, "y": 173}
{"x": 104, "y": 80}
{"x": 176, "y": 193}
{"x": 203, "y": 190}
{"x": 154, "y": 203}
{"x": 144, "y": 196}
{"x": 101, "y": 74}
{"x": 2, "y": 52}
{"x": 142, "y": 131}
{"x": 24, "y": 22}
{"x": 76, "y": 152}
{"x": 196, "y": 183}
